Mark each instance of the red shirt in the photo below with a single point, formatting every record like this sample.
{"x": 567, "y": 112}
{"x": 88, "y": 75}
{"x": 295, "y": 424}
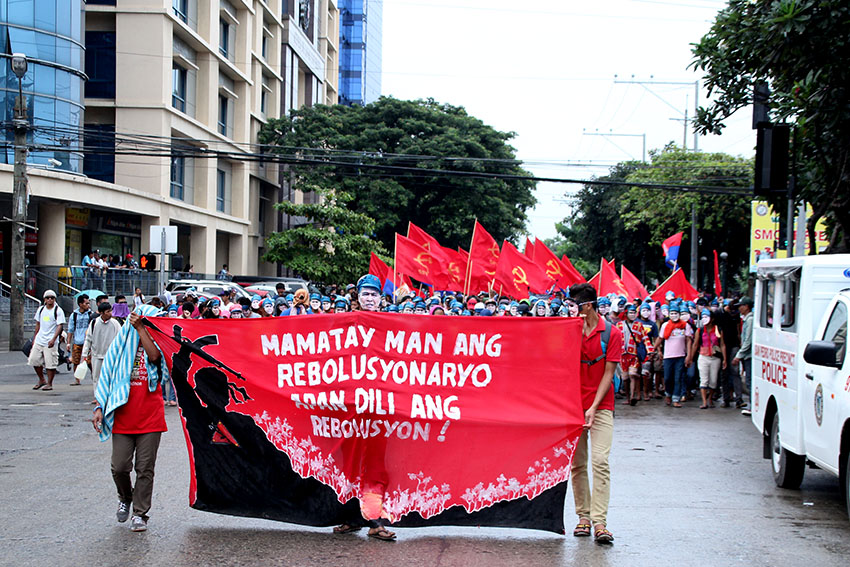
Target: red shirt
{"x": 591, "y": 375}
{"x": 144, "y": 411}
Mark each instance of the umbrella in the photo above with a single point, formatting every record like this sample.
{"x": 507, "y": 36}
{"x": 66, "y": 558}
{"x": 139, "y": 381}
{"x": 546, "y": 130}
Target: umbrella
{"x": 91, "y": 293}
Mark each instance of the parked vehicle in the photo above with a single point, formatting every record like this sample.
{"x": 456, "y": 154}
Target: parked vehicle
{"x": 211, "y": 287}
{"x": 292, "y": 285}
{"x": 801, "y": 375}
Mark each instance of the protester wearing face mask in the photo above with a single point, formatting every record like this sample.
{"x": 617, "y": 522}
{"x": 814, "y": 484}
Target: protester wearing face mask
{"x": 675, "y": 335}
{"x": 267, "y": 307}
{"x": 648, "y": 366}
{"x": 634, "y": 352}
{"x": 690, "y": 378}
{"x": 709, "y": 346}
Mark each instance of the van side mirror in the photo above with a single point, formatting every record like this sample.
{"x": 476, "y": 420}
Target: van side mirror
{"x": 822, "y": 353}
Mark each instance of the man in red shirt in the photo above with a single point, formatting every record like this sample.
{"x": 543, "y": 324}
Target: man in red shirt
{"x": 601, "y": 351}
{"x": 132, "y": 395}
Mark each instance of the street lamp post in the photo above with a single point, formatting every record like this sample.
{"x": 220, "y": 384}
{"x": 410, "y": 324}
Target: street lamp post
{"x": 723, "y": 257}
{"x": 703, "y": 261}
{"x": 20, "y": 202}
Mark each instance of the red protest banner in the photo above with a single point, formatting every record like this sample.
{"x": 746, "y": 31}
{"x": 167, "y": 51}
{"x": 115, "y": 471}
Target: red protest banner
{"x": 416, "y": 418}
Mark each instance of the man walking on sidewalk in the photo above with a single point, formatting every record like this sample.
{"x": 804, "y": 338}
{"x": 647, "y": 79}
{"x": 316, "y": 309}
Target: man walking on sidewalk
{"x": 44, "y": 355}
{"x": 78, "y": 322}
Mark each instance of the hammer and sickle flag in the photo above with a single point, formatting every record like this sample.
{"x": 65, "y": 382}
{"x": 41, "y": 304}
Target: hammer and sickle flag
{"x": 562, "y": 272}
{"x": 518, "y": 275}
{"x": 414, "y": 260}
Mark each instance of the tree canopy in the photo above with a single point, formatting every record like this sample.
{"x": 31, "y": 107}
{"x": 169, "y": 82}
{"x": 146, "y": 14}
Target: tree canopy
{"x": 801, "y": 49}
{"x": 629, "y": 223}
{"x": 398, "y": 161}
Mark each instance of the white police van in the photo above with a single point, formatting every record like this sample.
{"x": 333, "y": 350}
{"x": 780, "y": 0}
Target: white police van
{"x": 801, "y": 376}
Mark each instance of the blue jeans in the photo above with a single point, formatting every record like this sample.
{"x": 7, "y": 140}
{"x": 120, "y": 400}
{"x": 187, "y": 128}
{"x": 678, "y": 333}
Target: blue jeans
{"x": 747, "y": 365}
{"x": 674, "y": 371}
{"x": 168, "y": 393}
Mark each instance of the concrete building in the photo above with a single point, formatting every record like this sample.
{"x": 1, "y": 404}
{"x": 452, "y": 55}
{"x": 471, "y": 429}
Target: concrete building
{"x": 361, "y": 25}
{"x": 169, "y": 82}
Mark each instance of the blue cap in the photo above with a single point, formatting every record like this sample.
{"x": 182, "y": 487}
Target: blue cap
{"x": 715, "y": 302}
{"x": 326, "y": 299}
{"x": 674, "y": 308}
{"x": 267, "y": 301}
{"x": 669, "y": 295}
{"x": 420, "y": 305}
{"x": 705, "y": 313}
{"x": 466, "y": 313}
{"x": 691, "y": 305}
{"x": 603, "y": 301}
{"x": 631, "y": 307}
{"x": 290, "y": 298}
{"x": 315, "y": 296}
{"x": 341, "y": 303}
{"x": 485, "y": 313}
{"x": 407, "y": 305}
{"x": 727, "y": 301}
{"x": 392, "y": 308}
{"x": 369, "y": 280}
{"x": 172, "y": 307}
{"x": 256, "y": 297}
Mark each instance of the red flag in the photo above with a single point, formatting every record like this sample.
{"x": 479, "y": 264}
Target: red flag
{"x": 576, "y": 275}
{"x": 483, "y": 258}
{"x": 378, "y": 268}
{"x": 530, "y": 246}
{"x": 594, "y": 281}
{"x": 517, "y": 275}
{"x": 718, "y": 287}
{"x": 609, "y": 282}
{"x": 455, "y": 269}
{"x": 632, "y": 284}
{"x": 415, "y": 261}
{"x": 553, "y": 267}
{"x": 678, "y": 284}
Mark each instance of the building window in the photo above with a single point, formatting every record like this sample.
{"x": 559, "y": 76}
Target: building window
{"x": 264, "y": 47}
{"x": 265, "y": 91}
{"x": 100, "y": 64}
{"x": 179, "y": 78}
{"x": 186, "y": 11}
{"x": 223, "y": 181}
{"x": 183, "y": 78}
{"x": 178, "y": 177}
{"x": 99, "y": 161}
{"x": 223, "y": 104}
{"x": 224, "y": 38}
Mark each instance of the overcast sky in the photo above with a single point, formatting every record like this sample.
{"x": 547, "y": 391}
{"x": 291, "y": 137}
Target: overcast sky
{"x": 546, "y": 70}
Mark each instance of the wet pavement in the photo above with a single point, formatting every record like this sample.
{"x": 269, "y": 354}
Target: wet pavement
{"x": 689, "y": 488}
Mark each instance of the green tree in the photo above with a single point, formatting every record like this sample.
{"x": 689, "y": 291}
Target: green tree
{"x": 332, "y": 247}
{"x": 723, "y": 220}
{"x": 389, "y": 156}
{"x": 801, "y": 49}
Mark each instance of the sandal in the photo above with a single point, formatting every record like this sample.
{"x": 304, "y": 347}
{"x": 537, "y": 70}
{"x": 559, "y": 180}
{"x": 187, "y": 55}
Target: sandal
{"x": 382, "y": 534}
{"x": 39, "y": 386}
{"x": 602, "y": 535}
{"x": 346, "y": 528}
{"x": 46, "y": 388}
{"x": 582, "y": 529}
{"x": 677, "y": 405}
{"x": 77, "y": 383}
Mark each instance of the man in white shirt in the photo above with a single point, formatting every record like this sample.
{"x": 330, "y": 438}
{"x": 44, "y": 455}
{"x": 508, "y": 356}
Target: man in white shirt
{"x": 45, "y": 343}
{"x": 99, "y": 336}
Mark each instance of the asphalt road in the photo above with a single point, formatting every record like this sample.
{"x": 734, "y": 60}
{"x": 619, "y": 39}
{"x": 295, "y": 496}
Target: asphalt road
{"x": 689, "y": 488}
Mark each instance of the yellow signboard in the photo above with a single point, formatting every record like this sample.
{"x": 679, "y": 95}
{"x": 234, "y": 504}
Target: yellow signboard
{"x": 765, "y": 238}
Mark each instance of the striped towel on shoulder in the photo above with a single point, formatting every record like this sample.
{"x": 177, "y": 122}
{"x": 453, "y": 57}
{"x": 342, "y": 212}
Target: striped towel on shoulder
{"x": 113, "y": 386}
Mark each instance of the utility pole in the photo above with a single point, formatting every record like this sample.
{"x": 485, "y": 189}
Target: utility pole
{"x": 609, "y": 134}
{"x": 656, "y": 95}
{"x": 20, "y": 203}
{"x": 694, "y": 244}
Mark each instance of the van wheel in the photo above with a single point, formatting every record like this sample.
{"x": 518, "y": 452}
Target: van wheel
{"x": 788, "y": 467}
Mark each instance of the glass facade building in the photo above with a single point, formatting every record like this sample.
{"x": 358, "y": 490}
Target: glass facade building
{"x": 360, "y": 31}
{"x": 50, "y": 33}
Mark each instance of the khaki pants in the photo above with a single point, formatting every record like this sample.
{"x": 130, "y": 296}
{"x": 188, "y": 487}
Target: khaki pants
{"x": 96, "y": 365}
{"x": 145, "y": 446}
{"x": 594, "y": 505}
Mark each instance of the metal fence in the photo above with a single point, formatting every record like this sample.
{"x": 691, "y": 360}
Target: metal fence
{"x": 67, "y": 281}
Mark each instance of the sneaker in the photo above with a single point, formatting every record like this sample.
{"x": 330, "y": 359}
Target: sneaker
{"x": 138, "y": 524}
{"x": 123, "y": 511}
{"x": 746, "y": 412}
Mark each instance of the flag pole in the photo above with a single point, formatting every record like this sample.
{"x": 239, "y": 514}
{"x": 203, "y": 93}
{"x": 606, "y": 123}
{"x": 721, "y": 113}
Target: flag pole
{"x": 395, "y": 258}
{"x": 469, "y": 258}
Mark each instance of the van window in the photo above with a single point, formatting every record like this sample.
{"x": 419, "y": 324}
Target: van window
{"x": 768, "y": 288}
{"x": 789, "y": 305}
{"x": 836, "y": 331}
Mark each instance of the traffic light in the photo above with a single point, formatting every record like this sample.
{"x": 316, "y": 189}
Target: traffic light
{"x": 772, "y": 145}
{"x": 147, "y": 262}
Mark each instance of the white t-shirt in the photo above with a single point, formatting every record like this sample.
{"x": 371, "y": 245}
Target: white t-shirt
{"x": 49, "y": 319}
